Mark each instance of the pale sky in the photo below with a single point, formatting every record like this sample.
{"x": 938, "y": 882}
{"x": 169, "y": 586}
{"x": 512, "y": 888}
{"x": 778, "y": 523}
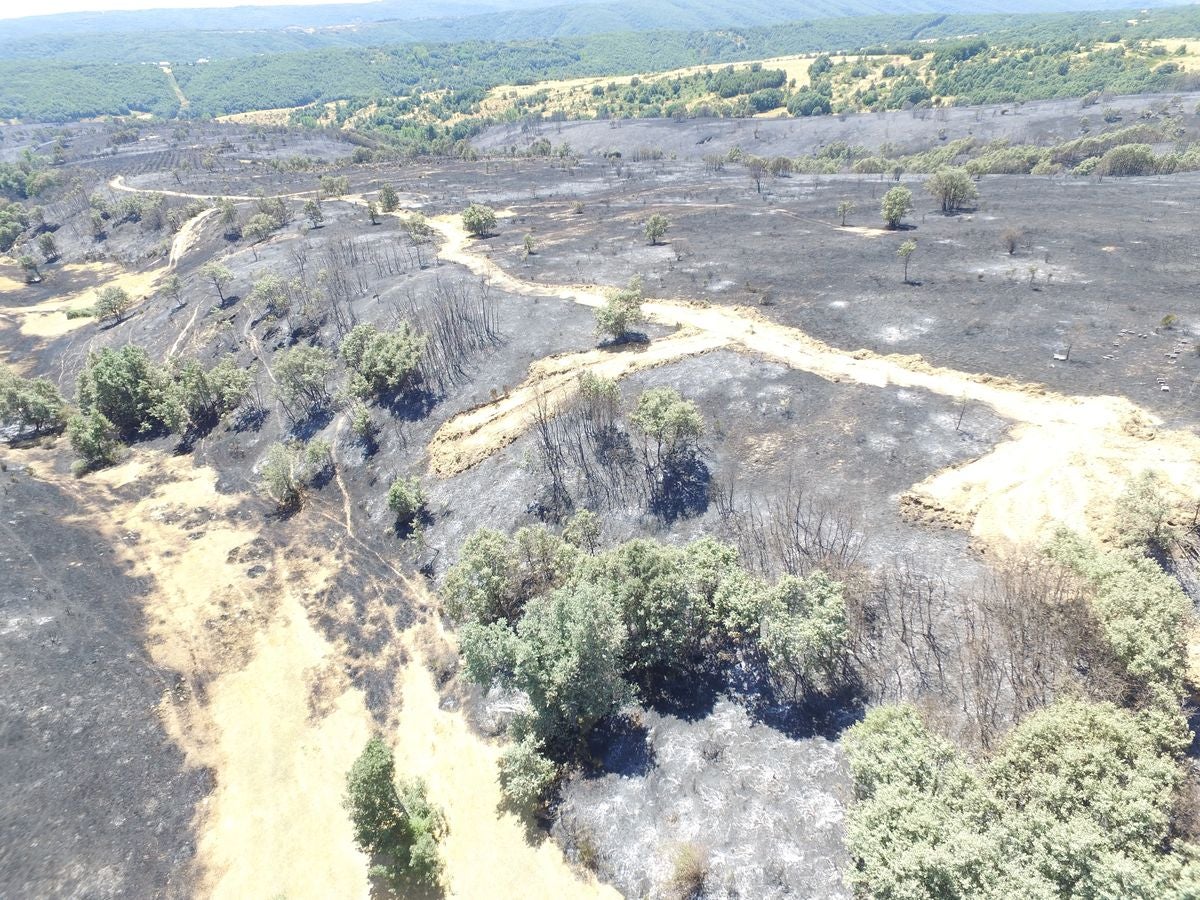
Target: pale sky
{"x": 13, "y": 9}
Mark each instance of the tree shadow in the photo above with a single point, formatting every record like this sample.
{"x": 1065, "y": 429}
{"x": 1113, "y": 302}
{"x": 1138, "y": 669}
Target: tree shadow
{"x": 682, "y": 489}
{"x": 620, "y": 746}
{"x": 411, "y": 404}
{"x": 690, "y": 696}
{"x": 404, "y": 888}
{"x": 312, "y": 424}
{"x": 250, "y": 418}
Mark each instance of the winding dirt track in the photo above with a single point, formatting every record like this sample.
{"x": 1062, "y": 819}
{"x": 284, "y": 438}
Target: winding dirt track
{"x": 1063, "y": 462}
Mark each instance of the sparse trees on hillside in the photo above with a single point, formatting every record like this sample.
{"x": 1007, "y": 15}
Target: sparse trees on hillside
{"x": 47, "y": 247}
{"x": 172, "y": 286}
{"x": 896, "y": 204}
{"x": 479, "y": 220}
{"x": 372, "y": 212}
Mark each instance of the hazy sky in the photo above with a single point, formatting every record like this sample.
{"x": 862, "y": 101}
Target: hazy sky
{"x": 12, "y": 9}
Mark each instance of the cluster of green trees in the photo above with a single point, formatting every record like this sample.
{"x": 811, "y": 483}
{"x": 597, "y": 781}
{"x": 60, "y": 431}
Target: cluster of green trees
{"x": 393, "y": 819}
{"x": 581, "y": 632}
{"x": 30, "y": 404}
{"x": 123, "y": 395}
{"x": 273, "y": 74}
{"x": 1083, "y": 797}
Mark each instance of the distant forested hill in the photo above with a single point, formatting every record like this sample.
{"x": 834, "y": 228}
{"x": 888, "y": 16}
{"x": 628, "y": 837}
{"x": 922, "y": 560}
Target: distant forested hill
{"x": 186, "y": 35}
{"x": 52, "y": 90}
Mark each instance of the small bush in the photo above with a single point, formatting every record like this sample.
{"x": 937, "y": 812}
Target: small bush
{"x": 406, "y": 499}
{"x": 94, "y": 440}
{"x": 526, "y": 776}
{"x": 621, "y": 311}
{"x": 689, "y": 872}
{"x": 479, "y": 220}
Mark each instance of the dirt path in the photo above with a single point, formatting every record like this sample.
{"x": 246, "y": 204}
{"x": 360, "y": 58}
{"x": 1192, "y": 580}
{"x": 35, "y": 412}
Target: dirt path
{"x": 184, "y": 103}
{"x": 117, "y": 183}
{"x": 1063, "y": 462}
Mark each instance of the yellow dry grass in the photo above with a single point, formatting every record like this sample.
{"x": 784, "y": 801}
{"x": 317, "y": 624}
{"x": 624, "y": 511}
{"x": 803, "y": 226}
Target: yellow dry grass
{"x": 265, "y": 703}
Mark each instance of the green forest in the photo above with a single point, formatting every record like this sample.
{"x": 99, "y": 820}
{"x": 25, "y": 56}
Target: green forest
{"x": 58, "y": 91}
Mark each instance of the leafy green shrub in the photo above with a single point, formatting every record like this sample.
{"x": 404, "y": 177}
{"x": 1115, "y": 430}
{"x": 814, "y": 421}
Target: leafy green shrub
{"x": 953, "y": 188}
{"x": 289, "y": 468}
{"x": 656, "y": 228}
{"x": 896, "y": 204}
{"x": 383, "y": 362}
{"x": 622, "y": 310}
{"x": 195, "y": 399}
{"x": 479, "y": 220}
{"x": 406, "y": 500}
{"x": 672, "y": 423}
{"x": 1129, "y": 159}
{"x": 94, "y": 440}
{"x": 393, "y": 821}
{"x": 526, "y": 776}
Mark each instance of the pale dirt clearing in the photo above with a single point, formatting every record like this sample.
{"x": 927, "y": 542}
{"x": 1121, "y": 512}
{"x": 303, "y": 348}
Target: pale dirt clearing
{"x": 1063, "y": 462}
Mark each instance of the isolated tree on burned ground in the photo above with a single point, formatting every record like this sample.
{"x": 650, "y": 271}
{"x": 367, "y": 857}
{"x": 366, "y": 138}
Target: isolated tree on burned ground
{"x": 622, "y": 311}
{"x": 479, "y": 220}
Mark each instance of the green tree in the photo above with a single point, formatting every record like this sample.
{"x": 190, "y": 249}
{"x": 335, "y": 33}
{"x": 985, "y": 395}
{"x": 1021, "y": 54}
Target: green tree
{"x": 905, "y": 252}
{"x": 622, "y": 310}
{"x": 112, "y": 303}
{"x": 302, "y": 380}
{"x": 47, "y": 247}
{"x": 194, "y": 398}
{"x": 219, "y": 276}
{"x": 844, "y": 208}
{"x": 383, "y": 362}
{"x": 805, "y": 634}
{"x": 30, "y": 269}
{"x": 372, "y": 212}
{"x": 526, "y": 776}
{"x": 406, "y": 500}
{"x": 388, "y": 199}
{"x": 565, "y": 655}
{"x": 656, "y": 228}
{"x": 271, "y": 295}
{"x": 334, "y": 186}
{"x": 172, "y": 286}
{"x": 952, "y": 188}
{"x": 672, "y": 423}
{"x": 897, "y": 203}
{"x": 123, "y": 386}
{"x": 314, "y": 213}
{"x": 479, "y": 220}
{"x": 259, "y": 227}
{"x": 393, "y": 821}
{"x": 94, "y": 440}
{"x": 30, "y": 404}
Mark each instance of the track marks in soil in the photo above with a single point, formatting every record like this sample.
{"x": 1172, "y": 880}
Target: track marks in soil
{"x": 1063, "y": 462}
